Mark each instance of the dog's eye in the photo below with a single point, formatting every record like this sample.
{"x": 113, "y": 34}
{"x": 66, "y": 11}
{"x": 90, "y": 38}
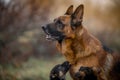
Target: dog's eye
{"x": 60, "y": 25}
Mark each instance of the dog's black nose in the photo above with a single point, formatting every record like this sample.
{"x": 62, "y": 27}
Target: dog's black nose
{"x": 43, "y": 27}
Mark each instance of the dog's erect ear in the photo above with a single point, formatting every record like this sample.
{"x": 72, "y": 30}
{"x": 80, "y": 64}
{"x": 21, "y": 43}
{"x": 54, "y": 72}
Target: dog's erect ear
{"x": 78, "y": 14}
{"x": 69, "y": 10}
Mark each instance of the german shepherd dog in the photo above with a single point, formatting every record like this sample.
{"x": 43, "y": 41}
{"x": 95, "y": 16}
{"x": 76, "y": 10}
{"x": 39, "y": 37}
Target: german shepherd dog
{"x": 81, "y": 48}
{"x": 59, "y": 71}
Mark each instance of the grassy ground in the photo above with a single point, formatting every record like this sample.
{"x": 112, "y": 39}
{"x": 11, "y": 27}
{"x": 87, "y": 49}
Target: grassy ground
{"x": 33, "y": 69}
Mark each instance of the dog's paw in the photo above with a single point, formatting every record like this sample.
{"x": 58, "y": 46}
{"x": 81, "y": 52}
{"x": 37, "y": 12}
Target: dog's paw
{"x": 86, "y": 73}
{"x": 59, "y": 71}
{"x": 86, "y": 70}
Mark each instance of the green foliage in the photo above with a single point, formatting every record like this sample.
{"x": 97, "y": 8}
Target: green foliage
{"x": 33, "y": 69}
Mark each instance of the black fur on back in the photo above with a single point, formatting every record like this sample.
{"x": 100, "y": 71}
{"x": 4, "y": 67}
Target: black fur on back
{"x": 107, "y": 49}
{"x": 116, "y": 67}
{"x": 115, "y": 71}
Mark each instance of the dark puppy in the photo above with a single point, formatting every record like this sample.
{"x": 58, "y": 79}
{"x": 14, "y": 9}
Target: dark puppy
{"x": 87, "y": 73}
{"x": 59, "y": 71}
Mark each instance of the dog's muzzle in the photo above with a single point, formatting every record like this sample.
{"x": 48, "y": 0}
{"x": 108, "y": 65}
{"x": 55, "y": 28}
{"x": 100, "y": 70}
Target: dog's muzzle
{"x": 52, "y": 34}
{"x": 48, "y": 35}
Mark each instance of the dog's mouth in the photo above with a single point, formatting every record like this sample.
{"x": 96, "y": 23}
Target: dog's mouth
{"x": 53, "y": 35}
{"x": 50, "y": 36}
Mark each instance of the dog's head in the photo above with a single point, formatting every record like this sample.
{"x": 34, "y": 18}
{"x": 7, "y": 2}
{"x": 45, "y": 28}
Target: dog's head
{"x": 59, "y": 71}
{"x": 65, "y": 26}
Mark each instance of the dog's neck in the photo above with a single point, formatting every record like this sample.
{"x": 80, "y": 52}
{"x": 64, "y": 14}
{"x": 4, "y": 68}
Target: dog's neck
{"x": 85, "y": 38}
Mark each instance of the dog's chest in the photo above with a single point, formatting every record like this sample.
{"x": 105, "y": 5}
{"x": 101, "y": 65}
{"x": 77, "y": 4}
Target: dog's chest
{"x": 69, "y": 45}
{"x": 91, "y": 61}
{"x": 66, "y": 46}
{"x": 76, "y": 46}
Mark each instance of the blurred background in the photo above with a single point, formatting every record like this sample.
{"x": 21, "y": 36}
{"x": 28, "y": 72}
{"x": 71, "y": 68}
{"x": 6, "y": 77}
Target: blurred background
{"x": 25, "y": 54}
